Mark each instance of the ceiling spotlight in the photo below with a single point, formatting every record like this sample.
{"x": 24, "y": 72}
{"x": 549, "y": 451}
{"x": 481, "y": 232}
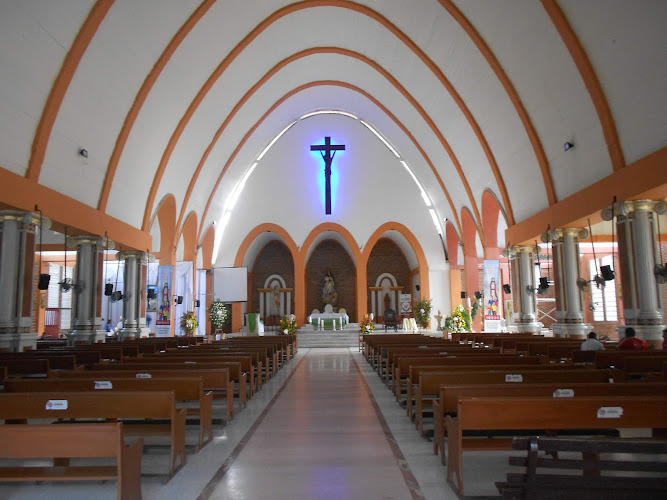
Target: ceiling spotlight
{"x": 83, "y": 152}
{"x": 568, "y": 145}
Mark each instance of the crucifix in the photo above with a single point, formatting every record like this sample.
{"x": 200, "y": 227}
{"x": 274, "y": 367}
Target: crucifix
{"x": 328, "y": 152}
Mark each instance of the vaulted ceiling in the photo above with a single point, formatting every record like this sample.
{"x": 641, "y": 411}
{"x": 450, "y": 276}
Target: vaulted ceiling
{"x": 180, "y": 97}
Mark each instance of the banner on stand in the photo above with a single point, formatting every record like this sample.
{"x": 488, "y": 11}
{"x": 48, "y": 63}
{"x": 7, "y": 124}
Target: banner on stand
{"x": 164, "y": 299}
{"x": 405, "y": 304}
{"x": 491, "y": 304}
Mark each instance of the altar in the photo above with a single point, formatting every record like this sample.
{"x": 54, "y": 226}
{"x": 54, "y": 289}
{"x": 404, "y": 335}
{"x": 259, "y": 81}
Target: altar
{"x": 318, "y": 320}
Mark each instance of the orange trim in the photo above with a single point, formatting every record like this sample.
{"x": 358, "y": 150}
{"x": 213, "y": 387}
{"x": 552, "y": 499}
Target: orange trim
{"x": 206, "y": 248}
{"x": 416, "y": 247}
{"x": 304, "y": 87}
{"x": 258, "y": 30}
{"x": 141, "y": 98}
{"x": 590, "y": 79}
{"x": 21, "y": 193}
{"x": 348, "y": 53}
{"x": 645, "y": 178}
{"x": 453, "y": 241}
{"x": 189, "y": 235}
{"x": 61, "y": 84}
{"x": 299, "y": 271}
{"x": 518, "y": 105}
{"x": 166, "y": 216}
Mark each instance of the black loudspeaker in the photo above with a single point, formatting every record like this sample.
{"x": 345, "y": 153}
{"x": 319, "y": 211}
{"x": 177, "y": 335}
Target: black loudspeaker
{"x": 151, "y": 293}
{"x": 544, "y": 284}
{"x": 463, "y": 295}
{"x": 108, "y": 289}
{"x": 478, "y": 295}
{"x": 197, "y": 303}
{"x": 417, "y": 287}
{"x": 607, "y": 273}
{"x": 179, "y": 299}
{"x": 44, "y": 280}
{"x": 507, "y": 289}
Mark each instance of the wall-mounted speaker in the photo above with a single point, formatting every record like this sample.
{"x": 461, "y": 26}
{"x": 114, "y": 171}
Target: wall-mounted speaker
{"x": 108, "y": 289}
{"x": 197, "y": 303}
{"x": 607, "y": 273}
{"x": 544, "y": 284}
{"x": 478, "y": 295}
{"x": 44, "y": 280}
{"x": 463, "y": 295}
{"x": 151, "y": 293}
{"x": 507, "y": 289}
{"x": 179, "y": 299}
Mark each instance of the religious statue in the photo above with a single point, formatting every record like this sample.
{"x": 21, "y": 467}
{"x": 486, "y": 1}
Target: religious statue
{"x": 276, "y": 300}
{"x": 329, "y": 294}
{"x": 165, "y": 304}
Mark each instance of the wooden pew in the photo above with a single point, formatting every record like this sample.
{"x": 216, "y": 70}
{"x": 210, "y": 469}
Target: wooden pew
{"x": 24, "y": 442}
{"x": 25, "y": 406}
{"x": 236, "y": 375}
{"x": 447, "y": 402}
{"x": 216, "y": 380}
{"x": 56, "y": 361}
{"x": 185, "y": 390}
{"x": 634, "y": 476}
{"x": 607, "y": 359}
{"x": 3, "y": 374}
{"x": 488, "y": 414}
{"x": 23, "y": 367}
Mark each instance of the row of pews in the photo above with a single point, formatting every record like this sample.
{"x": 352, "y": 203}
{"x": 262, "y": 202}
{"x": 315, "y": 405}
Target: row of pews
{"x": 495, "y": 391}
{"x": 95, "y": 397}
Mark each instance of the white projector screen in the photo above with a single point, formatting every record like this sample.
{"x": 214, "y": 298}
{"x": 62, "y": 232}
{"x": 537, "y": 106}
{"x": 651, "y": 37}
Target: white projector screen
{"x": 230, "y": 284}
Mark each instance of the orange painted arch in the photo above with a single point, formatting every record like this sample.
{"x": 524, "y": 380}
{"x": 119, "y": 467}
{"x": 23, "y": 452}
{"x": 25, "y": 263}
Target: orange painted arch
{"x": 249, "y": 133}
{"x": 265, "y": 24}
{"x": 356, "y": 55}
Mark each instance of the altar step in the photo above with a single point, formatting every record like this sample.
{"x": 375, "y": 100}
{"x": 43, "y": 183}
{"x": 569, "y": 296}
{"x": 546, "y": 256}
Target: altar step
{"x": 330, "y": 338}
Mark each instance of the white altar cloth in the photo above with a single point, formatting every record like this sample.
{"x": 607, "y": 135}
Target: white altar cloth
{"x": 409, "y": 324}
{"x": 341, "y": 319}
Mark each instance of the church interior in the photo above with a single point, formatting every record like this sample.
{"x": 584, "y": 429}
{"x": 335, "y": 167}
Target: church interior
{"x": 245, "y": 220}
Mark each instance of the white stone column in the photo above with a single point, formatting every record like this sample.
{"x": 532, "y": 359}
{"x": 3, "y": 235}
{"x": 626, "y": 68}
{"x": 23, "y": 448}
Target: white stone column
{"x": 289, "y": 302}
{"x": 637, "y": 250}
{"x": 134, "y": 294}
{"x": 87, "y": 289}
{"x": 569, "y": 297}
{"x": 17, "y": 263}
{"x": 261, "y": 304}
{"x": 373, "y": 305}
{"x": 522, "y": 260}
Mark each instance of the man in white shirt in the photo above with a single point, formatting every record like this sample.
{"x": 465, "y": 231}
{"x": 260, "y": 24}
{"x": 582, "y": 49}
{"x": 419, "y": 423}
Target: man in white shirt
{"x": 592, "y": 343}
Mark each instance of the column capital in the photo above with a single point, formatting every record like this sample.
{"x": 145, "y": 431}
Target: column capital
{"x": 76, "y": 241}
{"x": 625, "y": 208}
{"x": 512, "y": 251}
{"x": 137, "y": 254}
{"x": 28, "y": 218}
{"x": 557, "y": 234}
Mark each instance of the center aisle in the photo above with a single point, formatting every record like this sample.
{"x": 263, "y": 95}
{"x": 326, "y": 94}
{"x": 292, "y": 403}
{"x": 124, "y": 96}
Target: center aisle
{"x": 322, "y": 438}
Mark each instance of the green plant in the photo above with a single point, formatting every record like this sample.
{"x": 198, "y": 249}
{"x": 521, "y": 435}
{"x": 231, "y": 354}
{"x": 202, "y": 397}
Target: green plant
{"x": 218, "y": 314}
{"x": 367, "y": 326}
{"x": 459, "y": 321}
{"x": 422, "y": 311}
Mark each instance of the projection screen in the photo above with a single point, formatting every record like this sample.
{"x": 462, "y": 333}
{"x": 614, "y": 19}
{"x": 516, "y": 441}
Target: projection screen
{"x": 230, "y": 284}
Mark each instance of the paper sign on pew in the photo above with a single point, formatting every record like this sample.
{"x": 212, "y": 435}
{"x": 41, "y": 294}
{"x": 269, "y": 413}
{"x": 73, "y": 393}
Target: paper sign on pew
{"x": 103, "y": 384}
{"x": 513, "y": 377}
{"x": 56, "y": 404}
{"x": 144, "y": 375}
{"x": 610, "y": 412}
{"x": 563, "y": 393}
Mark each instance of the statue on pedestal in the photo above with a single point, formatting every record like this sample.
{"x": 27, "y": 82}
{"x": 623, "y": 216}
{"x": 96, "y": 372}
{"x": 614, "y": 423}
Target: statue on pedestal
{"x": 329, "y": 294}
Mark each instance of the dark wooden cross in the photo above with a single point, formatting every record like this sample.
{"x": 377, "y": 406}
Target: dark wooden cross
{"x": 328, "y": 152}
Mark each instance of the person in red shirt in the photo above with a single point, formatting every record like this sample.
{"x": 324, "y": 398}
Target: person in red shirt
{"x": 632, "y": 343}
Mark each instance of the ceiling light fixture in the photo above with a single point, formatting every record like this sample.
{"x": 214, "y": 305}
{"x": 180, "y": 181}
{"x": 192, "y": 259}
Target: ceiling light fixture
{"x": 568, "y": 145}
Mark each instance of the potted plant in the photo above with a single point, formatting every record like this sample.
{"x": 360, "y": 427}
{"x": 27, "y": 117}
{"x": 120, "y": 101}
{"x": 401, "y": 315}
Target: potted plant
{"x": 422, "y": 311}
{"x": 366, "y": 326}
{"x": 189, "y": 323}
{"x": 218, "y": 314}
{"x": 288, "y": 325}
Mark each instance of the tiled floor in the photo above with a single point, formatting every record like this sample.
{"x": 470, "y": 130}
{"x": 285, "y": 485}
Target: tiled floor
{"x": 312, "y": 432}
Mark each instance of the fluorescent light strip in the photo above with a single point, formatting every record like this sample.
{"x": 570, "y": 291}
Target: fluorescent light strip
{"x": 329, "y": 112}
{"x": 421, "y": 189}
{"x": 239, "y": 187}
{"x": 434, "y": 216}
{"x": 266, "y": 149}
{"x": 377, "y": 134}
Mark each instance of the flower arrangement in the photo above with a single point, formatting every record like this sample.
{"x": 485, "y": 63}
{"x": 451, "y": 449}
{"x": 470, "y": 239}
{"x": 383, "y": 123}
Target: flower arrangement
{"x": 367, "y": 326}
{"x": 459, "y": 321}
{"x": 422, "y": 311}
{"x": 218, "y": 314}
{"x": 288, "y": 325}
{"x": 189, "y": 323}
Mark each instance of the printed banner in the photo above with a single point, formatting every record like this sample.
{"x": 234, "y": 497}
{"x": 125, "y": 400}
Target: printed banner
{"x": 164, "y": 300}
{"x": 492, "y": 306}
{"x": 405, "y": 301}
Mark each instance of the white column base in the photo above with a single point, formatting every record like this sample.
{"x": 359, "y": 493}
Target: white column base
{"x": 574, "y": 330}
{"x": 16, "y": 342}
{"x": 89, "y": 336}
{"x": 133, "y": 333}
{"x": 532, "y": 327}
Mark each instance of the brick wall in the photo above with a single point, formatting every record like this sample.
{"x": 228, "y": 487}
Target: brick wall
{"x": 274, "y": 258}
{"x": 329, "y": 255}
{"x": 387, "y": 257}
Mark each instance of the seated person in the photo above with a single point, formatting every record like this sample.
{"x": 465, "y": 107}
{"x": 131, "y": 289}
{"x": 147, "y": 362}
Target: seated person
{"x": 107, "y": 327}
{"x": 632, "y": 343}
{"x": 592, "y": 343}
